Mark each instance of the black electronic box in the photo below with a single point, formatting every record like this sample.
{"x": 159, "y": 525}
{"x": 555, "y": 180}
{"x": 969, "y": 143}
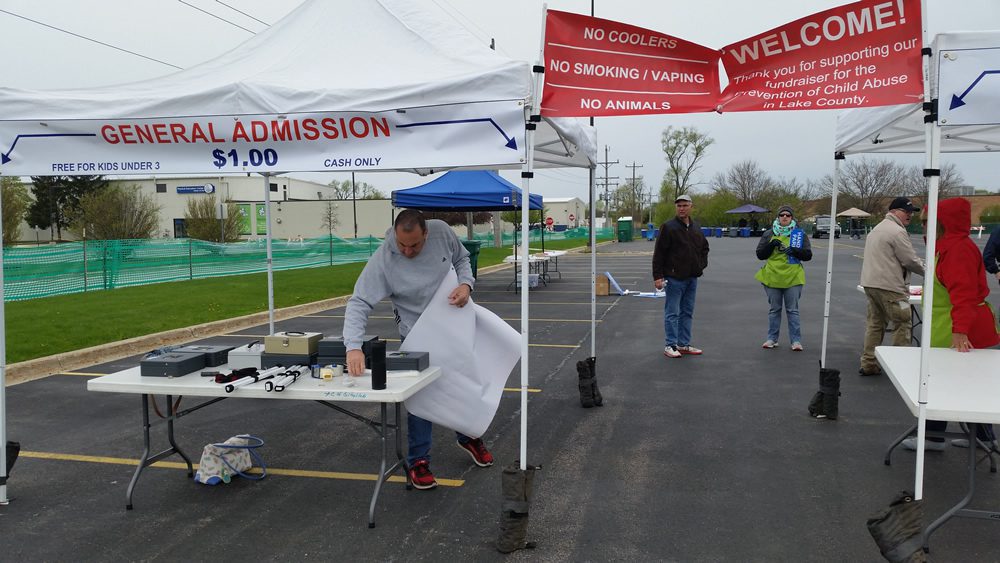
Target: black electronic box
{"x": 214, "y": 355}
{"x": 407, "y": 360}
{"x": 171, "y": 364}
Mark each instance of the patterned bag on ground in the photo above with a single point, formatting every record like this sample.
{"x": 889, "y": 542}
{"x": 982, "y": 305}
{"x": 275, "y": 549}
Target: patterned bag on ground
{"x": 235, "y": 456}
{"x": 898, "y": 530}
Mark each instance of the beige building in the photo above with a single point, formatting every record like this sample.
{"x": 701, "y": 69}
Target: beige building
{"x": 568, "y": 211}
{"x": 297, "y": 207}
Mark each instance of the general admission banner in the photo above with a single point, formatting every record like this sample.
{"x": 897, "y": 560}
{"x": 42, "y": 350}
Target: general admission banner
{"x": 866, "y": 53}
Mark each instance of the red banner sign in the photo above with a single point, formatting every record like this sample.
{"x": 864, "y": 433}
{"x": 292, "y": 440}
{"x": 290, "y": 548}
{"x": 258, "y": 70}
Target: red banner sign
{"x": 861, "y": 54}
{"x": 596, "y": 67}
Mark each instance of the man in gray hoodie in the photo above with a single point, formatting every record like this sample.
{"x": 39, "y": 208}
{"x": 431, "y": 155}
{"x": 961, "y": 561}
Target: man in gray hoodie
{"x": 408, "y": 268}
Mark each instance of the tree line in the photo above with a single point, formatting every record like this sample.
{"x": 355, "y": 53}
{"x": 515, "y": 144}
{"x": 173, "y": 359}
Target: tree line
{"x": 865, "y": 183}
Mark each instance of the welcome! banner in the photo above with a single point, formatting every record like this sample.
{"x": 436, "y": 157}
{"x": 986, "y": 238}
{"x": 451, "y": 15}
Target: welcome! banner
{"x": 597, "y": 67}
{"x": 861, "y": 54}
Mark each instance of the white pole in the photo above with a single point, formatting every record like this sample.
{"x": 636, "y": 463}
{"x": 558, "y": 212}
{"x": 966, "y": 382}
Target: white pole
{"x": 526, "y": 173}
{"x": 3, "y": 377}
{"x": 931, "y": 138}
{"x": 270, "y": 265}
{"x": 829, "y": 256}
{"x": 593, "y": 268}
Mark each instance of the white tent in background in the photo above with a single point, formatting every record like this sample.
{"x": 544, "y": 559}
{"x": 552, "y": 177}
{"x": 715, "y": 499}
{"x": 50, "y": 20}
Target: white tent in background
{"x": 442, "y": 99}
{"x": 901, "y": 129}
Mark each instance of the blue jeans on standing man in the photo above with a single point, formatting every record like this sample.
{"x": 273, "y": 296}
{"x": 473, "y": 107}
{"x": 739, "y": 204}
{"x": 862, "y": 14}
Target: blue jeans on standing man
{"x": 418, "y": 439}
{"x": 790, "y": 297}
{"x": 679, "y": 310}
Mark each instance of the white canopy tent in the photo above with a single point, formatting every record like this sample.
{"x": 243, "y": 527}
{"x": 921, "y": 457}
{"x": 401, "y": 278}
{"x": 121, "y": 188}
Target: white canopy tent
{"x": 902, "y": 129}
{"x": 425, "y": 96}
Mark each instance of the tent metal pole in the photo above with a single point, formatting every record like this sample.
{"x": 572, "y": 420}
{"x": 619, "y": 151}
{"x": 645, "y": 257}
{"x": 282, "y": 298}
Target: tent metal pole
{"x": 932, "y": 137}
{"x": 270, "y": 263}
{"x": 3, "y": 377}
{"x": 838, "y": 158}
{"x": 593, "y": 265}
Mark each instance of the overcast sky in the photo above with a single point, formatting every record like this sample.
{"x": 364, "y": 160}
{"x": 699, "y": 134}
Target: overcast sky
{"x": 786, "y": 144}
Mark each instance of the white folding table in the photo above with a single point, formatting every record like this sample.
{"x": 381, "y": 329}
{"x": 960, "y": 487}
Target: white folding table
{"x": 399, "y": 387}
{"x": 963, "y": 387}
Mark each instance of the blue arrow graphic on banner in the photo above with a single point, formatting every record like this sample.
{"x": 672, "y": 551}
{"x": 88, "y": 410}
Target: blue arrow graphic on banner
{"x": 511, "y": 142}
{"x": 5, "y": 157}
{"x": 956, "y": 101}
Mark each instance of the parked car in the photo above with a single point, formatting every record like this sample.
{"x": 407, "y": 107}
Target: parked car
{"x": 822, "y": 227}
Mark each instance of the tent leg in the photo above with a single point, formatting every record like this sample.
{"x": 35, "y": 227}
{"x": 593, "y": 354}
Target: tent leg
{"x": 3, "y": 380}
{"x": 270, "y": 264}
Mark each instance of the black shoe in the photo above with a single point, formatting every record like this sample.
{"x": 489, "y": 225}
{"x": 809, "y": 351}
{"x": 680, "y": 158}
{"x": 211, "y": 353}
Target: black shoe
{"x": 864, "y": 373}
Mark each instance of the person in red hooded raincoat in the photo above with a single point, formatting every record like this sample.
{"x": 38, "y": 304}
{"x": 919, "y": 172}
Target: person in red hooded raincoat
{"x": 961, "y": 318}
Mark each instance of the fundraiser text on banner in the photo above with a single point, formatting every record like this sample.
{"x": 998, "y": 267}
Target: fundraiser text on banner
{"x": 597, "y": 67}
{"x": 861, "y": 54}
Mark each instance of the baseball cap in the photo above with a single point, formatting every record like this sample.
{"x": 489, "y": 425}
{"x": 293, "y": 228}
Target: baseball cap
{"x": 683, "y": 197}
{"x": 903, "y": 203}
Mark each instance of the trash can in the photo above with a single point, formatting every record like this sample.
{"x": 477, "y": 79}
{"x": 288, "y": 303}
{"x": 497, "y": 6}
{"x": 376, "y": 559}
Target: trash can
{"x": 706, "y": 231}
{"x": 624, "y": 229}
{"x": 473, "y": 247}
{"x": 734, "y": 232}
{"x": 644, "y": 234}
{"x": 718, "y": 232}
{"x": 744, "y": 232}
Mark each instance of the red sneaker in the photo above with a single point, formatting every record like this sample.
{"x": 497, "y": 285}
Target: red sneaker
{"x": 689, "y": 350}
{"x": 421, "y": 476}
{"x": 478, "y": 452}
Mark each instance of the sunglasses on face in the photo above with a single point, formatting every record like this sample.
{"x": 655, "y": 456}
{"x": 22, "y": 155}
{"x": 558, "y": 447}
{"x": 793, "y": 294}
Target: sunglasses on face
{"x": 784, "y": 214}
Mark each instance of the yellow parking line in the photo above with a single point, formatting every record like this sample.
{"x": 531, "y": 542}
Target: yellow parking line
{"x": 518, "y": 389}
{"x": 271, "y": 470}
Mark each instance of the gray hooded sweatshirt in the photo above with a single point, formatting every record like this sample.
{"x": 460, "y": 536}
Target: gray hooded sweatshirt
{"x": 409, "y": 282}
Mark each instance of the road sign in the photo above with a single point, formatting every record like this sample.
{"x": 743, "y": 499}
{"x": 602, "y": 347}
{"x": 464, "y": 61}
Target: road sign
{"x": 549, "y": 221}
{"x": 572, "y": 217}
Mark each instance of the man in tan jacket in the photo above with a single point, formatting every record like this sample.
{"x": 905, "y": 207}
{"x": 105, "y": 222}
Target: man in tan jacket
{"x": 889, "y": 259}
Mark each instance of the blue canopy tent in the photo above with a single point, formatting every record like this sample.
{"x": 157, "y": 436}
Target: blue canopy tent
{"x": 754, "y": 225}
{"x": 748, "y": 208}
{"x": 465, "y": 190}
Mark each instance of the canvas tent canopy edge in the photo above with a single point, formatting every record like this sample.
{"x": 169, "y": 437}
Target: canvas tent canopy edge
{"x": 465, "y": 190}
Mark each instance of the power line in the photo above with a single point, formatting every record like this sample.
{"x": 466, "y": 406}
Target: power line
{"x": 242, "y": 12}
{"x": 250, "y": 31}
{"x": 85, "y": 38}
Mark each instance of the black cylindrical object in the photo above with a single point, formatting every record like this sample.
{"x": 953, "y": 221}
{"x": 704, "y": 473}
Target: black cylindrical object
{"x": 378, "y": 364}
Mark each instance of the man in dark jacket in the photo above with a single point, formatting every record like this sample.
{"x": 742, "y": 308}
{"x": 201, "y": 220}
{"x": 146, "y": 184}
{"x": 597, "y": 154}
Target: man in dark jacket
{"x": 991, "y": 254}
{"x": 680, "y": 257}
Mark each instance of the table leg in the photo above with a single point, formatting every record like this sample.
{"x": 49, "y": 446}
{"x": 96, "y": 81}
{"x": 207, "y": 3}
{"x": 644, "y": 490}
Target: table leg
{"x": 915, "y": 321}
{"x": 971, "y": 433}
{"x": 888, "y": 453}
{"x": 146, "y": 460}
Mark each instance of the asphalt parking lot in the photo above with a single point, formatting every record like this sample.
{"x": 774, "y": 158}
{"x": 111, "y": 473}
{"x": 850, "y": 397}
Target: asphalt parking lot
{"x": 709, "y": 458}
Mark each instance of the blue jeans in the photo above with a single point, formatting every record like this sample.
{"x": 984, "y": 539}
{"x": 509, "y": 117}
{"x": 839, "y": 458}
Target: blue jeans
{"x": 418, "y": 439}
{"x": 679, "y": 310}
{"x": 790, "y": 297}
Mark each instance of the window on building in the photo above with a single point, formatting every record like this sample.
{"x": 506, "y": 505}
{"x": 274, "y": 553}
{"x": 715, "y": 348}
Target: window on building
{"x": 274, "y": 187}
{"x": 180, "y": 229}
{"x": 161, "y": 188}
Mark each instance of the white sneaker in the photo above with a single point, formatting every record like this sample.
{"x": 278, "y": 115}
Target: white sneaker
{"x": 796, "y": 346}
{"x": 768, "y": 344}
{"x": 911, "y": 444}
{"x": 671, "y": 352}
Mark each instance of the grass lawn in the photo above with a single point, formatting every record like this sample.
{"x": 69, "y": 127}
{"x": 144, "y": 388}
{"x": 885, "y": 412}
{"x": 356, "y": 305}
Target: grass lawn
{"x": 42, "y": 327}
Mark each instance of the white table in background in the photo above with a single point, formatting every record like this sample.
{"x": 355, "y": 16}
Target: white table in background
{"x": 399, "y": 387}
{"x": 553, "y": 265}
{"x": 537, "y": 264}
{"x": 963, "y": 387}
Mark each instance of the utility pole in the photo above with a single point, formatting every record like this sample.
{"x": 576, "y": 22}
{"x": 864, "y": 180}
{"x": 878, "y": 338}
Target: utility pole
{"x": 607, "y": 164}
{"x": 635, "y": 188}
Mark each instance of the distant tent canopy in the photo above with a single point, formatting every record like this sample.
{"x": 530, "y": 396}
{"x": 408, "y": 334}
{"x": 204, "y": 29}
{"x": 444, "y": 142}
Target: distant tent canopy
{"x": 748, "y": 208}
{"x": 854, "y": 213}
{"x": 465, "y": 190}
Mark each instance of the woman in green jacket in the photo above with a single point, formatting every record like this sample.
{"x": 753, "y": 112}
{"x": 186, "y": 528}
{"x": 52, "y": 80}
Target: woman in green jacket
{"x": 784, "y": 247}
